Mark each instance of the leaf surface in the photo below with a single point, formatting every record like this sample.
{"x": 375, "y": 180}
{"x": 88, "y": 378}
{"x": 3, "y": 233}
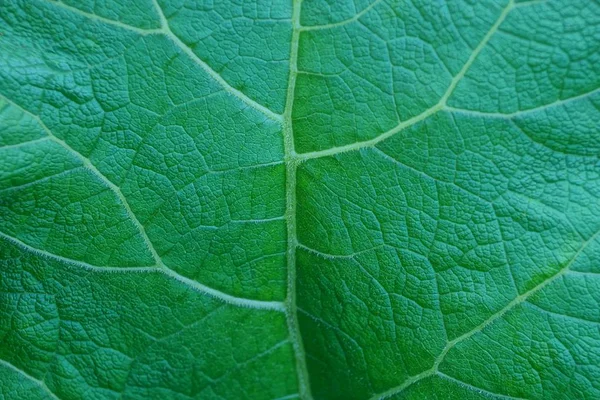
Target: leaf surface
{"x": 299, "y": 199}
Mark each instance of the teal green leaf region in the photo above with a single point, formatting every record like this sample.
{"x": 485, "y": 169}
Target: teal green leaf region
{"x": 299, "y": 199}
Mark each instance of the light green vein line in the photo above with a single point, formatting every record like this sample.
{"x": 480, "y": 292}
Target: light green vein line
{"x": 165, "y": 30}
{"x": 47, "y": 178}
{"x": 407, "y": 383}
{"x": 290, "y": 214}
{"x": 475, "y": 388}
{"x": 226, "y": 298}
{"x": 289, "y": 397}
{"x": 488, "y": 36}
{"x": 91, "y": 167}
{"x": 372, "y": 142}
{"x": 70, "y": 261}
{"x": 590, "y": 274}
{"x": 159, "y": 263}
{"x": 24, "y": 144}
{"x": 344, "y": 22}
{"x": 516, "y": 301}
{"x": 108, "y": 21}
{"x": 337, "y": 256}
{"x": 567, "y": 317}
{"x": 226, "y": 86}
{"x": 511, "y": 305}
{"x": 441, "y": 104}
{"x": 37, "y": 382}
{"x": 531, "y": 3}
{"x": 556, "y": 103}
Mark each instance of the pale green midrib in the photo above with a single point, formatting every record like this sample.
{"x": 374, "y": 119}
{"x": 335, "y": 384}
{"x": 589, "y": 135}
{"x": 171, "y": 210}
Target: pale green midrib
{"x": 341, "y": 23}
{"x": 291, "y": 164}
{"x": 293, "y": 158}
{"x": 39, "y": 383}
{"x": 203, "y": 289}
{"x": 440, "y": 106}
{"x": 157, "y": 259}
{"x": 165, "y": 30}
{"x": 512, "y": 304}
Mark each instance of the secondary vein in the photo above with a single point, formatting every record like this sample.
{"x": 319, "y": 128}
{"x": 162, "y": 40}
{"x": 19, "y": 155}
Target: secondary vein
{"x": 440, "y": 105}
{"x": 166, "y": 31}
{"x": 206, "y": 290}
{"x": 159, "y": 264}
{"x": 520, "y": 299}
{"x": 40, "y": 383}
{"x": 343, "y": 22}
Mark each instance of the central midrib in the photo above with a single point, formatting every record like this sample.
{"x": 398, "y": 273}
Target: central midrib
{"x": 293, "y": 159}
{"x": 291, "y": 164}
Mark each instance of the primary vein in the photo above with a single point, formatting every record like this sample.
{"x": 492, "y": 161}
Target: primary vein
{"x": 293, "y": 159}
{"x": 290, "y": 215}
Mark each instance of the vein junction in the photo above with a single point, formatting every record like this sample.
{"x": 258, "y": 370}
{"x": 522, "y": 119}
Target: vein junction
{"x": 292, "y": 160}
{"x": 290, "y": 194}
{"x": 285, "y": 118}
{"x": 434, "y": 370}
{"x": 159, "y": 264}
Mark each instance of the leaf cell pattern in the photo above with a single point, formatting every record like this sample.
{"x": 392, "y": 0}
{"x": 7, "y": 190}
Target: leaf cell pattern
{"x": 267, "y": 199}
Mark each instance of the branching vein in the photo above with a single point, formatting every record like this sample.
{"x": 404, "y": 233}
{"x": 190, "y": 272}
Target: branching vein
{"x": 167, "y": 32}
{"x": 230, "y": 89}
{"x": 37, "y": 382}
{"x": 344, "y": 22}
{"x": 227, "y": 298}
{"x": 292, "y": 160}
{"x": 499, "y": 314}
{"x": 108, "y": 21}
{"x": 526, "y": 111}
{"x": 159, "y": 265}
{"x": 440, "y": 105}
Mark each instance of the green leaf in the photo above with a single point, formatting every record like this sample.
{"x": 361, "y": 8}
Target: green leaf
{"x": 277, "y": 199}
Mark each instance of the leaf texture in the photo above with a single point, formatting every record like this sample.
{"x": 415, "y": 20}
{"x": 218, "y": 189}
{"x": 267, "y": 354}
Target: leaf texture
{"x": 277, "y": 199}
